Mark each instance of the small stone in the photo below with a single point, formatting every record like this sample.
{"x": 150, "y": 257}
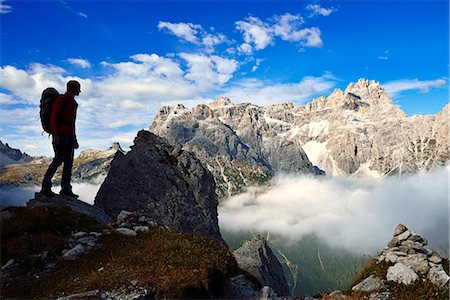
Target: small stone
{"x": 97, "y": 234}
{"x": 74, "y": 252}
{"x": 438, "y": 276}
{"x": 142, "y": 219}
{"x": 369, "y": 284}
{"x": 412, "y": 245}
{"x": 88, "y": 240}
{"x": 79, "y": 234}
{"x": 143, "y": 229}
{"x": 403, "y": 236}
{"x": 5, "y": 215}
{"x": 417, "y": 238}
{"x": 401, "y": 273}
{"x": 418, "y": 262}
{"x": 393, "y": 243}
{"x": 84, "y": 295}
{"x": 122, "y": 216}
{"x": 8, "y": 264}
{"x": 400, "y": 229}
{"x": 126, "y": 231}
{"x": 435, "y": 258}
{"x": 394, "y": 256}
{"x": 380, "y": 296}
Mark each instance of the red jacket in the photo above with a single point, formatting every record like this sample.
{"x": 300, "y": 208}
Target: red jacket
{"x": 64, "y": 113}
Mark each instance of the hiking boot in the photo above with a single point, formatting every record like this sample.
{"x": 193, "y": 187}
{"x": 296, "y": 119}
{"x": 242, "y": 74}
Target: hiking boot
{"x": 68, "y": 193}
{"x": 48, "y": 193}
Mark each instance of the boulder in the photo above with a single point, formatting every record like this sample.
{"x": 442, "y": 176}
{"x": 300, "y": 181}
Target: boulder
{"x": 74, "y": 252}
{"x": 256, "y": 257}
{"x": 370, "y": 284}
{"x": 64, "y": 201}
{"x": 164, "y": 183}
{"x": 401, "y": 273}
{"x": 126, "y": 231}
{"x": 417, "y": 262}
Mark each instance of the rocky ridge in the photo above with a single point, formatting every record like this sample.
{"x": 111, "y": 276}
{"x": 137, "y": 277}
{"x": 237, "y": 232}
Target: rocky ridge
{"x": 89, "y": 166}
{"x": 10, "y": 155}
{"x": 358, "y": 131}
{"x": 164, "y": 183}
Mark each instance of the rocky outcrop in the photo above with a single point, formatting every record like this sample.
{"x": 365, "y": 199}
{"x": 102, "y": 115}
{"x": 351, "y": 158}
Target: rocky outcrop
{"x": 64, "y": 201}
{"x": 358, "y": 131}
{"x": 163, "y": 183}
{"x": 256, "y": 257}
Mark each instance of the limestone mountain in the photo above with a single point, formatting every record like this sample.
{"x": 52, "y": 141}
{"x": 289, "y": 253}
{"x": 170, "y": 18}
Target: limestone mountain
{"x": 358, "y": 131}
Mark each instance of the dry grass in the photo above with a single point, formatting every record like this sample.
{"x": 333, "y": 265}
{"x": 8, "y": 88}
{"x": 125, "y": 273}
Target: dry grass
{"x": 33, "y": 230}
{"x": 168, "y": 263}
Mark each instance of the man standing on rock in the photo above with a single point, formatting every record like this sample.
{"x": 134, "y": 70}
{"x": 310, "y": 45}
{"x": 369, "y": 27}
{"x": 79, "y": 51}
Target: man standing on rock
{"x": 62, "y": 124}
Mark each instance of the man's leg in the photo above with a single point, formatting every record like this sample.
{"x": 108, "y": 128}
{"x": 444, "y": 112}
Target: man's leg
{"x": 57, "y": 161}
{"x": 66, "y": 188}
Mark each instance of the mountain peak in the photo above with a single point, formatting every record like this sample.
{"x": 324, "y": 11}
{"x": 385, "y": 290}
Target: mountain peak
{"x": 220, "y": 101}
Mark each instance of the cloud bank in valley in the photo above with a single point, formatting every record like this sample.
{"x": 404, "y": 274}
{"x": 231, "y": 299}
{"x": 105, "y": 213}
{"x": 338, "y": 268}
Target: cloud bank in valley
{"x": 358, "y": 214}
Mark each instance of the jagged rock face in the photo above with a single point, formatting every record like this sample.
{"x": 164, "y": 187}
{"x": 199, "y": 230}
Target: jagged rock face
{"x": 256, "y": 257}
{"x": 9, "y": 155}
{"x": 357, "y": 131}
{"x": 236, "y": 142}
{"x": 163, "y": 182}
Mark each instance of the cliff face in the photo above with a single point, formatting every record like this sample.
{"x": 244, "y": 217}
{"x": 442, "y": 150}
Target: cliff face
{"x": 164, "y": 183}
{"x": 358, "y": 131}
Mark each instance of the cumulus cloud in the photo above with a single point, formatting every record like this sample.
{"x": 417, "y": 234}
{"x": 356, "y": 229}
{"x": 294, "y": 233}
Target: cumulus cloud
{"x": 359, "y": 214}
{"x": 82, "y": 63}
{"x": 138, "y": 87}
{"x": 186, "y": 31}
{"x": 266, "y": 93}
{"x": 258, "y": 34}
{"x": 193, "y": 33}
{"x": 397, "y": 86}
{"x": 4, "y": 9}
{"x": 318, "y": 10}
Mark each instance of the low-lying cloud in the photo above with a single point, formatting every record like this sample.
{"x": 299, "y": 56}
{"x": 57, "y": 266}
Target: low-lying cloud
{"x": 359, "y": 214}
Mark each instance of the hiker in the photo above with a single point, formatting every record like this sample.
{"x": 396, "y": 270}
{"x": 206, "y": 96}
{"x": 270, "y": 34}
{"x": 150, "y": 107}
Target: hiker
{"x": 64, "y": 139}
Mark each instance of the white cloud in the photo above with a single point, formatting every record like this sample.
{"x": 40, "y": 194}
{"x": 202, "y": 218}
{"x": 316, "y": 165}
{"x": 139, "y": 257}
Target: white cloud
{"x": 266, "y": 93}
{"x": 131, "y": 105}
{"x": 81, "y": 14}
{"x": 194, "y": 33}
{"x": 317, "y": 10}
{"x": 397, "y": 86}
{"x": 83, "y": 63}
{"x": 355, "y": 213}
{"x": 186, "y": 31}
{"x": 4, "y": 9}
{"x": 126, "y": 99}
{"x": 207, "y": 71}
{"x": 257, "y": 63}
{"x": 256, "y": 32}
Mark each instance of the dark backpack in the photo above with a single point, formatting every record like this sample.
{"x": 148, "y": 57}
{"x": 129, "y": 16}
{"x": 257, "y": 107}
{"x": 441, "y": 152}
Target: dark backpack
{"x": 48, "y": 98}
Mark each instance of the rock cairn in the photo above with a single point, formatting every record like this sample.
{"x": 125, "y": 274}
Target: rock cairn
{"x": 412, "y": 261}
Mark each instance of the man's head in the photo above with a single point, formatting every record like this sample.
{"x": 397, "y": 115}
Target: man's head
{"x": 73, "y": 87}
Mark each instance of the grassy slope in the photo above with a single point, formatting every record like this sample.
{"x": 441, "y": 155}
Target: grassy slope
{"x": 167, "y": 263}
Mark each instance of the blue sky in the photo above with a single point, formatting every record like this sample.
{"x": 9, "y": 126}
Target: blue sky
{"x": 132, "y": 57}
